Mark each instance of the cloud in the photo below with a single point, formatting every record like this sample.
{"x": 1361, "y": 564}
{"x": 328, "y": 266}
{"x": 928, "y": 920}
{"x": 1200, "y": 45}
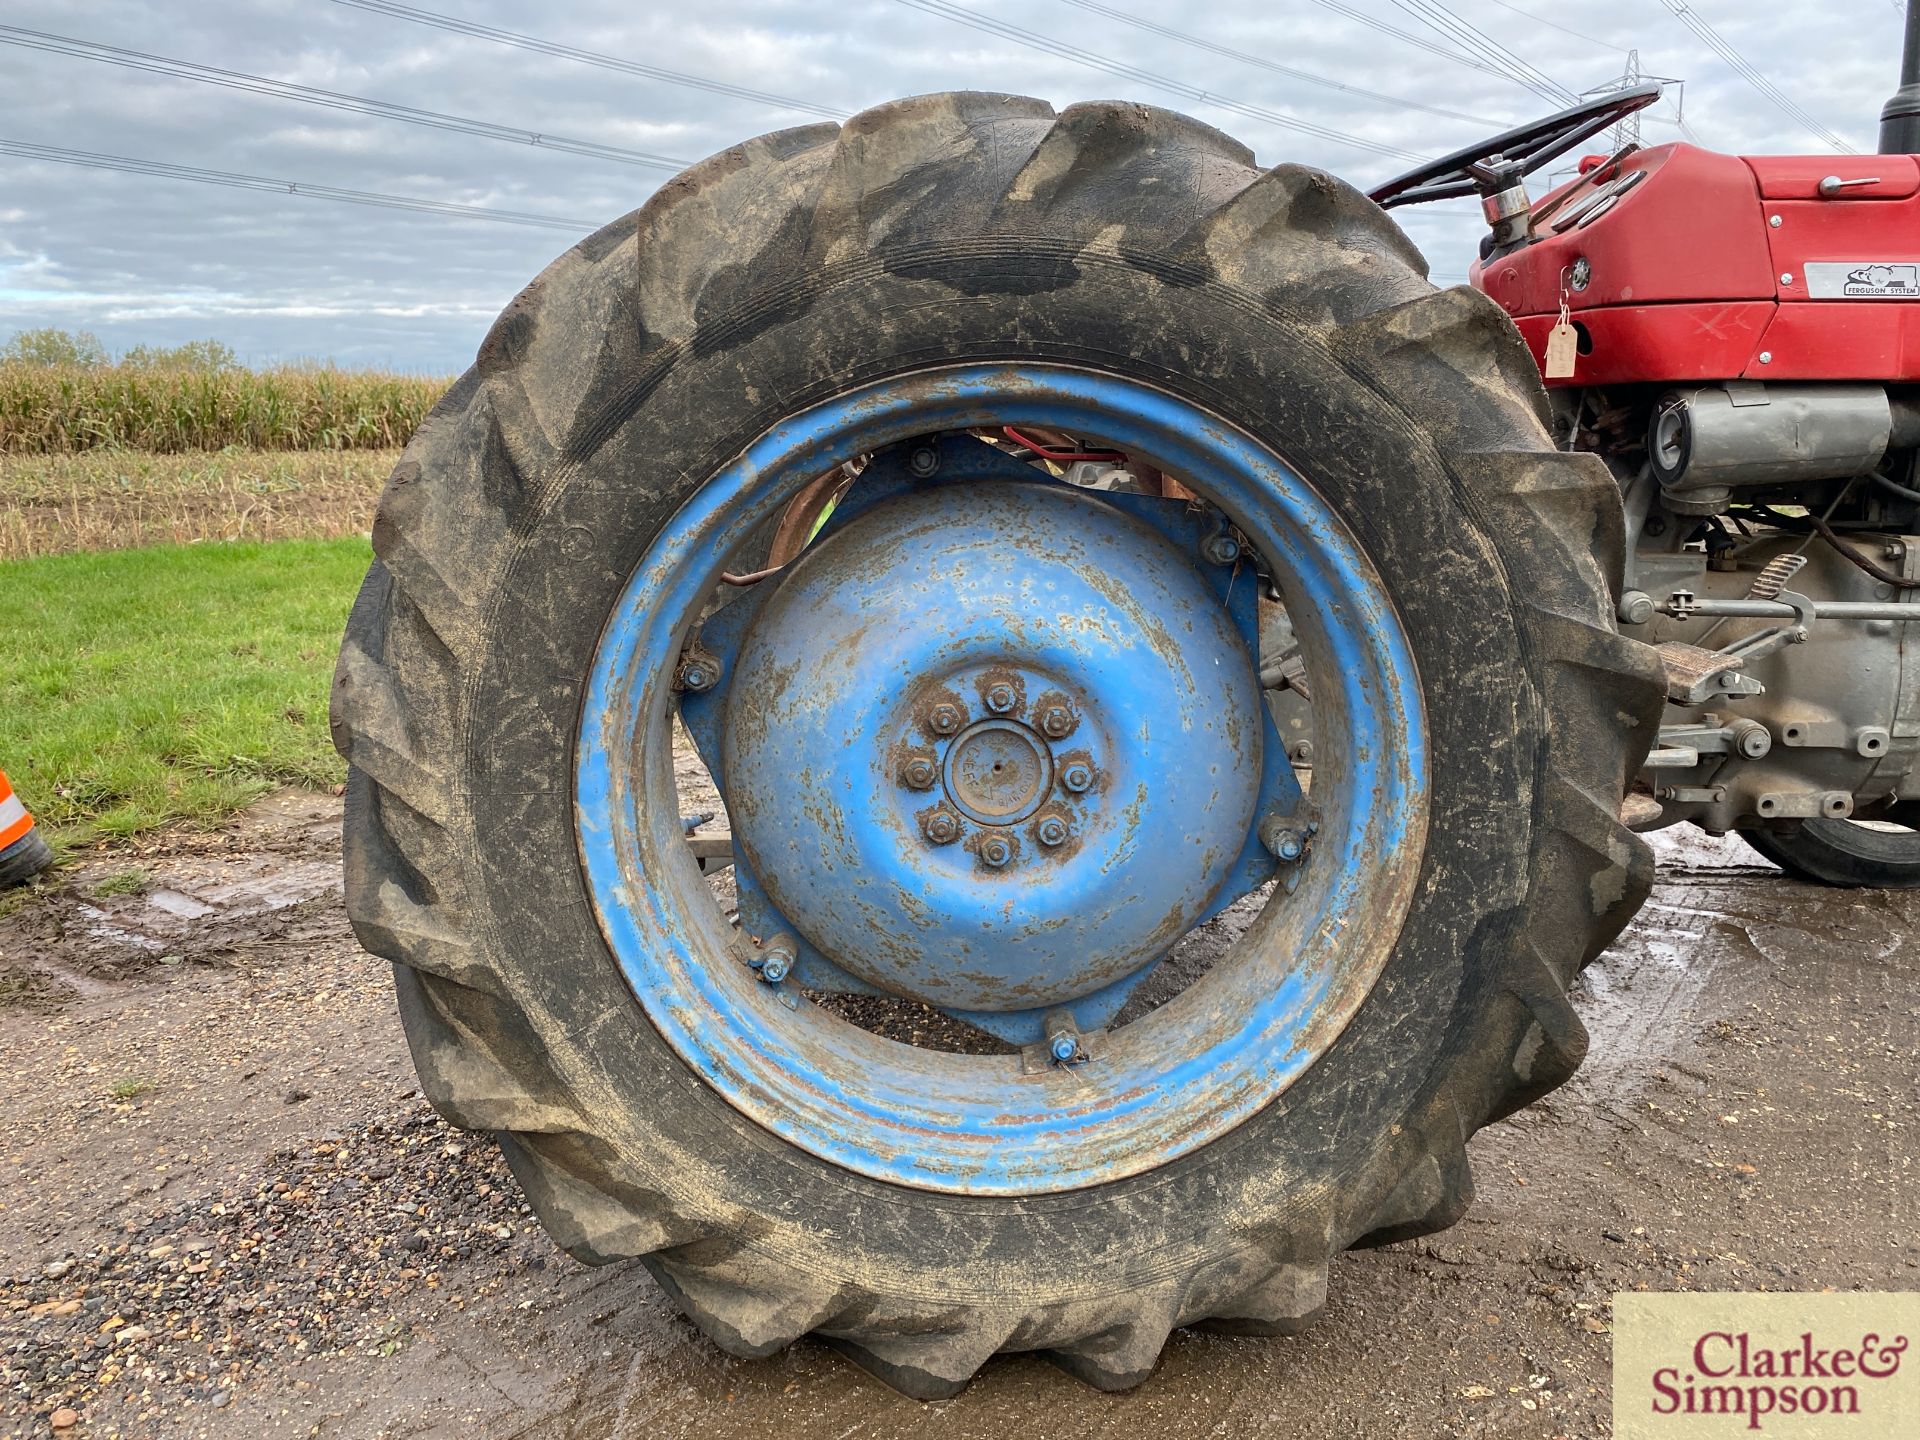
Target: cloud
{"x": 141, "y": 259}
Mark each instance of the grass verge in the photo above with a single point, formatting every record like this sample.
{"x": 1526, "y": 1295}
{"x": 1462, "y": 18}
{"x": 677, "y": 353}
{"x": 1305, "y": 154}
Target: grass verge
{"x": 178, "y": 682}
{"x": 118, "y": 499}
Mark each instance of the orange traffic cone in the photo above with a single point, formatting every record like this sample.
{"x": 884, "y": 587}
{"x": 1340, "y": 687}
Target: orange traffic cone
{"x": 23, "y": 854}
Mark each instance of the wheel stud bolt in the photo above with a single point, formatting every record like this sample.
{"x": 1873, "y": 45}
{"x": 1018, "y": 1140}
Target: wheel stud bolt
{"x": 1052, "y": 831}
{"x": 941, "y": 828}
{"x": 945, "y": 718}
{"x": 1077, "y": 777}
{"x": 918, "y": 773}
{"x": 1000, "y": 698}
{"x": 1056, "y": 722}
{"x": 1223, "y": 549}
{"x": 995, "y": 851}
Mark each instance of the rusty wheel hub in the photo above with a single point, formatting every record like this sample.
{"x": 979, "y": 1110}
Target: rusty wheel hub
{"x": 1073, "y": 684}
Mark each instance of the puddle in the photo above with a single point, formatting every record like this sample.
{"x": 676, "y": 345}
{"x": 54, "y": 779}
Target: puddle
{"x": 275, "y": 889}
{"x": 101, "y": 927}
{"x": 1646, "y": 1000}
{"x": 201, "y": 896}
{"x": 174, "y": 903}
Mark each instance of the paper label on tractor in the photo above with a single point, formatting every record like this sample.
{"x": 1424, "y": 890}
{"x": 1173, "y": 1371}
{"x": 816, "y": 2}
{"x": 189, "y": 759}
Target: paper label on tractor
{"x": 1562, "y": 345}
{"x": 1863, "y": 279}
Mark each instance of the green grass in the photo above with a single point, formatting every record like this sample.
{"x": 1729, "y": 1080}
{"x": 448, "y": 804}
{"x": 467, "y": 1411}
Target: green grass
{"x": 180, "y": 682}
{"x": 131, "y": 881}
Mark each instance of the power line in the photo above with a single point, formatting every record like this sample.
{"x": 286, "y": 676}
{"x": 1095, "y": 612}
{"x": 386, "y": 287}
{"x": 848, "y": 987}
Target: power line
{"x": 1684, "y": 13}
{"x": 164, "y": 170}
{"x": 590, "y": 57}
{"x": 1078, "y": 56}
{"x": 1199, "y": 43}
{"x": 1563, "y": 29}
{"x": 1443, "y": 21}
{"x": 332, "y": 99}
{"x": 1421, "y": 42}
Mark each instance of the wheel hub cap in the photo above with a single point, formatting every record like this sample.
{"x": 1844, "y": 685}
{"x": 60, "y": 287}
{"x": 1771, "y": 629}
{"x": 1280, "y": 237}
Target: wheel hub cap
{"x": 998, "y": 772}
{"x": 1087, "y": 707}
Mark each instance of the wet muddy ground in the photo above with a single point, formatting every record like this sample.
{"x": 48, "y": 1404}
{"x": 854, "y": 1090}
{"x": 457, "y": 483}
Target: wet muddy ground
{"x": 225, "y": 1210}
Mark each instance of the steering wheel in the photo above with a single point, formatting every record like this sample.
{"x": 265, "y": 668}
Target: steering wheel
{"x": 1494, "y": 164}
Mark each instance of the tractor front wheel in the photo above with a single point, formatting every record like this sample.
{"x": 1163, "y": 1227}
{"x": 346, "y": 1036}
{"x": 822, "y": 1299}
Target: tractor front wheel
{"x": 1855, "y": 854}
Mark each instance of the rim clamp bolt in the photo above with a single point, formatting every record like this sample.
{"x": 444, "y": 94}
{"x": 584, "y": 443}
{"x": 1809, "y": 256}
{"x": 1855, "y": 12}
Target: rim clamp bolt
{"x": 775, "y": 960}
{"x": 1287, "y": 843}
{"x": 1222, "y": 549}
{"x": 1062, "y": 1038}
{"x": 698, "y": 671}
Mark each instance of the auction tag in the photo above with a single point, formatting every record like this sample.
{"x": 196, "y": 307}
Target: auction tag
{"x": 1562, "y": 345}
{"x": 1783, "y": 1366}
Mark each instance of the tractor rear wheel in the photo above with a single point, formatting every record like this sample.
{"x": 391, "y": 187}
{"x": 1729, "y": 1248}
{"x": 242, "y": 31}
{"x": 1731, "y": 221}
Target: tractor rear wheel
{"x": 994, "y": 742}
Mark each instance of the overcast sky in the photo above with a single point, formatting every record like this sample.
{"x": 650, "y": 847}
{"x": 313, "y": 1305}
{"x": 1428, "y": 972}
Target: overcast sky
{"x": 141, "y": 259}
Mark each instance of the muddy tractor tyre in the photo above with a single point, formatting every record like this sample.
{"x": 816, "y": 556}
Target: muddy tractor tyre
{"x": 1845, "y": 853}
{"x": 1067, "y": 675}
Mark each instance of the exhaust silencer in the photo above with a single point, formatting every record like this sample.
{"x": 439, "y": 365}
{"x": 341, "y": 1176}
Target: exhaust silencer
{"x": 1706, "y": 443}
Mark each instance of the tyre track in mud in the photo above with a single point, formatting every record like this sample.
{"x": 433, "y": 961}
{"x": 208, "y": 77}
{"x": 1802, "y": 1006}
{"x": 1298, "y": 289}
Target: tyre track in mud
{"x": 1744, "y": 1121}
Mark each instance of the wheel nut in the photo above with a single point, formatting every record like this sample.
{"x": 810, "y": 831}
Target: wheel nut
{"x": 1056, "y": 722}
{"x": 1000, "y": 698}
{"x": 995, "y": 851}
{"x": 924, "y": 461}
{"x": 941, "y": 828}
{"x": 1052, "y": 831}
{"x": 918, "y": 773}
{"x": 1062, "y": 1047}
{"x": 1223, "y": 549}
{"x": 1077, "y": 777}
{"x": 945, "y": 718}
{"x": 697, "y": 675}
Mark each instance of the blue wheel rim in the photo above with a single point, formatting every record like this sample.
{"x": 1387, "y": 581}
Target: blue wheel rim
{"x": 1164, "y": 1085}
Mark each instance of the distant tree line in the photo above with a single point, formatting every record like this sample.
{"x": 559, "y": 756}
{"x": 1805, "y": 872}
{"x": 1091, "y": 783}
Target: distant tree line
{"x": 52, "y": 346}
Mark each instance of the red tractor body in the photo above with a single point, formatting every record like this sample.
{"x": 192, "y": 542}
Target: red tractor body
{"x": 1677, "y": 264}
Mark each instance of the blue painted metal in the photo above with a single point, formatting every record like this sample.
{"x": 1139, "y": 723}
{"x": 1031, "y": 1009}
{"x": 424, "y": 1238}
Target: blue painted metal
{"x": 1092, "y": 994}
{"x": 1003, "y": 598}
{"x": 1144, "y": 1092}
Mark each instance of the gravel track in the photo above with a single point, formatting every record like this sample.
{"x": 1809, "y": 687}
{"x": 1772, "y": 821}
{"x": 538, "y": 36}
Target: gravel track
{"x": 227, "y": 1212}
